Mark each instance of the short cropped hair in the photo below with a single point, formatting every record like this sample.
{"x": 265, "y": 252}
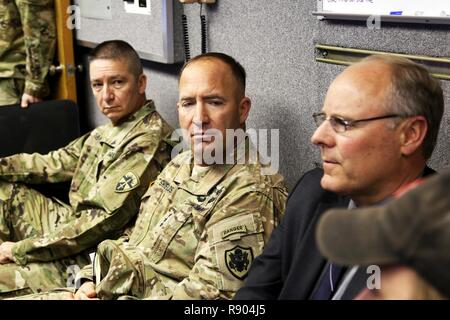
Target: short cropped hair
{"x": 237, "y": 69}
{"x": 414, "y": 92}
{"x": 116, "y": 50}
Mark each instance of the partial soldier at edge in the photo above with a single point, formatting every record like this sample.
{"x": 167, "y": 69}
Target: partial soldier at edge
{"x": 27, "y": 48}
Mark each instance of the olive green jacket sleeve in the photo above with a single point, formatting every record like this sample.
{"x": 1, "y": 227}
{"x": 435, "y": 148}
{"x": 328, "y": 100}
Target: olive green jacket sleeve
{"x": 39, "y": 29}
{"x": 114, "y": 170}
{"x": 87, "y": 272}
{"x": 56, "y": 166}
{"x": 111, "y": 209}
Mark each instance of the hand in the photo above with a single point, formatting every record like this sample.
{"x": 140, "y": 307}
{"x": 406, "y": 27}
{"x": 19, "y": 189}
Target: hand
{"x": 5, "y": 252}
{"x": 27, "y": 99}
{"x": 86, "y": 292}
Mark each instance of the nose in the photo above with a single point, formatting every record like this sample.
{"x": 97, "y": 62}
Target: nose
{"x": 107, "y": 93}
{"x": 200, "y": 115}
{"x": 324, "y": 135}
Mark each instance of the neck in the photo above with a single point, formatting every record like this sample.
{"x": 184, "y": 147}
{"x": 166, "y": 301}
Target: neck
{"x": 139, "y": 104}
{"x": 404, "y": 176}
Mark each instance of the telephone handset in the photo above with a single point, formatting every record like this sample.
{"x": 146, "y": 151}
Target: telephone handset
{"x": 187, "y": 50}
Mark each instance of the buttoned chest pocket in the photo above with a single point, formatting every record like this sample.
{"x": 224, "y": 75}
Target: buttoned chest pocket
{"x": 104, "y": 165}
{"x": 90, "y": 157}
{"x": 149, "y": 202}
{"x": 177, "y": 233}
{"x": 84, "y": 178}
{"x": 234, "y": 243}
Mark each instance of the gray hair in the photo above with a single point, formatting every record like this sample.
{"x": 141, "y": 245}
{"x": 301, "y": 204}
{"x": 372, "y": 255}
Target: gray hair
{"x": 414, "y": 92}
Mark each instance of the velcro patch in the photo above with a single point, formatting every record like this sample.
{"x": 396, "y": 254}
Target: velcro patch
{"x": 128, "y": 182}
{"x": 233, "y": 230}
{"x": 238, "y": 261}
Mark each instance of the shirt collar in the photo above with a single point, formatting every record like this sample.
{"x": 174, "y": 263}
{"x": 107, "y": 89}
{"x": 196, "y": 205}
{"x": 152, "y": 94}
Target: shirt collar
{"x": 114, "y": 135}
{"x": 200, "y": 185}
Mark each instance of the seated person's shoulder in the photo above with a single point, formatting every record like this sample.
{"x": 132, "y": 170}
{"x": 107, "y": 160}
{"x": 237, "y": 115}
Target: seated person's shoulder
{"x": 253, "y": 178}
{"x": 154, "y": 119}
{"x": 309, "y": 181}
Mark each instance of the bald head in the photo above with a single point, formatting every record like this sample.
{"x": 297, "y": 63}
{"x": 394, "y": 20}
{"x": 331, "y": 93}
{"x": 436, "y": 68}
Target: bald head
{"x": 369, "y": 81}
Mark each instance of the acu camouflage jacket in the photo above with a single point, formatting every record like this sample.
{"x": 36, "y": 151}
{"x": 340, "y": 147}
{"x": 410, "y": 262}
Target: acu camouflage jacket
{"x": 195, "y": 237}
{"x": 109, "y": 169}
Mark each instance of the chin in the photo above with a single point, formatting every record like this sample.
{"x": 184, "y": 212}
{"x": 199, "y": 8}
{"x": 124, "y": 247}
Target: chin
{"x": 203, "y": 146}
{"x": 114, "y": 120}
{"x": 329, "y": 183}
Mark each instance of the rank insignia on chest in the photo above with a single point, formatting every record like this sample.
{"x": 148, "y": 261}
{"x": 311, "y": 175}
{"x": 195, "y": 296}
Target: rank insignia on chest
{"x": 238, "y": 261}
{"x": 128, "y": 182}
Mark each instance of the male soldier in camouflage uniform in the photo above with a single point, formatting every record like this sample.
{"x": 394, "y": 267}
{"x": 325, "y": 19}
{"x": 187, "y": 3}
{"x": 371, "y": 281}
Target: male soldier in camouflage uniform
{"x": 109, "y": 169}
{"x": 199, "y": 226}
{"x": 27, "y": 46}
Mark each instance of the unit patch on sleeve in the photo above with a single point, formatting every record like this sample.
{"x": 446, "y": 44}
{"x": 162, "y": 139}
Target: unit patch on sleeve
{"x": 128, "y": 182}
{"x": 238, "y": 261}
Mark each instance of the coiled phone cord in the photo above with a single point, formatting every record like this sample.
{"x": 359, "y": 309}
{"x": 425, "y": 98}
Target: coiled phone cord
{"x": 203, "y": 28}
{"x": 187, "y": 50}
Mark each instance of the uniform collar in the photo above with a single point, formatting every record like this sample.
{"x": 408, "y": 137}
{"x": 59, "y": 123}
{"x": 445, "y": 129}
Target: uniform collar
{"x": 203, "y": 184}
{"x": 114, "y": 135}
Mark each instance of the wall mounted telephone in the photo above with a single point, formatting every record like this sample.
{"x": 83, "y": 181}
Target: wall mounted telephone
{"x": 184, "y": 21}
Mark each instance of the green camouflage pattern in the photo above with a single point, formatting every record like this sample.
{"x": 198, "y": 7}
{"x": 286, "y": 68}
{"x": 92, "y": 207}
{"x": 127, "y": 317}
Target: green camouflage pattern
{"x": 187, "y": 230}
{"x": 109, "y": 169}
{"x": 17, "y": 280}
{"x": 55, "y": 294}
{"x": 27, "y": 47}
{"x": 11, "y": 90}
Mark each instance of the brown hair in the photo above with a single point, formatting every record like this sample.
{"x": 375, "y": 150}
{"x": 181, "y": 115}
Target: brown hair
{"x": 237, "y": 69}
{"x": 116, "y": 50}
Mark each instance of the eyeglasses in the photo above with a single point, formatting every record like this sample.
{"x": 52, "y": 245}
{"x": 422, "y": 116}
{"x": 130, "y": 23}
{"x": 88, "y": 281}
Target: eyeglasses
{"x": 341, "y": 125}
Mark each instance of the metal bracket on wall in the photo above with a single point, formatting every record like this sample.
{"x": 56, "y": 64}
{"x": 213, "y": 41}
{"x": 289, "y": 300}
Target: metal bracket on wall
{"x": 438, "y": 67}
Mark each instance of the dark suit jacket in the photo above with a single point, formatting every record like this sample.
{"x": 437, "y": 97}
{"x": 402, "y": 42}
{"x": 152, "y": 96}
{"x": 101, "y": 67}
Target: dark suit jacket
{"x": 291, "y": 266}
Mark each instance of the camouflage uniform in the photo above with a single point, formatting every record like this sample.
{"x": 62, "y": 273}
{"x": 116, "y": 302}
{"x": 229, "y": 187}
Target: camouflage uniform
{"x": 195, "y": 236}
{"x": 27, "y": 47}
{"x": 109, "y": 169}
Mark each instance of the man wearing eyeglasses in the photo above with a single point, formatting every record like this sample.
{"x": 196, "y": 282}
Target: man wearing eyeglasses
{"x": 377, "y": 128}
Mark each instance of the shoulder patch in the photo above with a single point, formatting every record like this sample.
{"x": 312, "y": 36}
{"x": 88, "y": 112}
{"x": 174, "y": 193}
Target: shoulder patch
{"x": 238, "y": 261}
{"x": 233, "y": 230}
{"x": 128, "y": 182}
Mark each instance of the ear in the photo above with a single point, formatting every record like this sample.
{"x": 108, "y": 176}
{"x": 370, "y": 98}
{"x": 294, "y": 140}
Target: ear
{"x": 413, "y": 133}
{"x": 244, "y": 109}
{"x": 142, "y": 83}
